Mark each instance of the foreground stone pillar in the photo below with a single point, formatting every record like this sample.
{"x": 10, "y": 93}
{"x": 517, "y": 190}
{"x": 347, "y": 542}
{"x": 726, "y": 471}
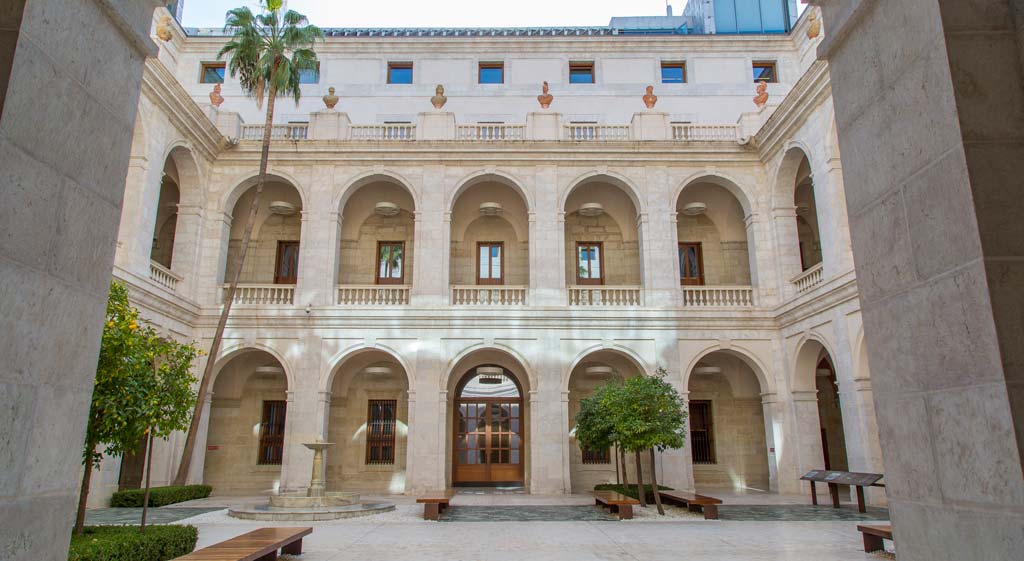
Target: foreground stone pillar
{"x": 932, "y": 151}
{"x": 63, "y": 192}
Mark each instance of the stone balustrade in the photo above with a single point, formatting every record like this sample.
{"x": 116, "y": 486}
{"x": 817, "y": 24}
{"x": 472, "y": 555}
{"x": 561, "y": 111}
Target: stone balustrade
{"x": 488, "y": 295}
{"x": 262, "y": 294}
{"x": 397, "y": 132}
{"x": 808, "y": 279}
{"x": 488, "y": 132}
{"x": 373, "y": 295}
{"x": 297, "y": 131}
{"x": 604, "y": 296}
{"x": 163, "y": 276}
{"x": 718, "y": 296}
{"x": 596, "y": 133}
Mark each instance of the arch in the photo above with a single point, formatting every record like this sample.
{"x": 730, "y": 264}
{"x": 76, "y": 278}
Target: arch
{"x": 610, "y": 177}
{"x": 750, "y": 358}
{"x": 189, "y": 174}
{"x": 805, "y": 360}
{"x": 498, "y": 176}
{"x": 363, "y": 179}
{"x": 784, "y": 186}
{"x": 724, "y": 181}
{"x": 229, "y": 353}
{"x": 335, "y": 363}
{"x": 450, "y": 368}
{"x": 244, "y": 182}
{"x": 629, "y": 354}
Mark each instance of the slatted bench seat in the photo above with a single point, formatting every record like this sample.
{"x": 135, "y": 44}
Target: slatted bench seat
{"x": 874, "y": 534}
{"x": 616, "y": 502}
{"x": 435, "y": 503}
{"x": 693, "y": 502}
{"x": 258, "y": 545}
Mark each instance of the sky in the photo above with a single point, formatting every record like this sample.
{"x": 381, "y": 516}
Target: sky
{"x": 443, "y": 13}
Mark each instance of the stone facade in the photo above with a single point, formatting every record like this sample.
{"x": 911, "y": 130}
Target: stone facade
{"x": 757, "y": 315}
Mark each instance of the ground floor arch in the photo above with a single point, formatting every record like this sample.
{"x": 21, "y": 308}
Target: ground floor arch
{"x": 815, "y": 372}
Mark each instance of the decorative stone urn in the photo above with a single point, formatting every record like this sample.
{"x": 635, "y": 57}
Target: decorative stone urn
{"x": 545, "y": 98}
{"x": 649, "y": 98}
{"x": 814, "y": 29}
{"x": 439, "y": 98}
{"x": 330, "y": 100}
{"x": 762, "y": 94}
{"x": 215, "y": 98}
{"x": 163, "y": 28}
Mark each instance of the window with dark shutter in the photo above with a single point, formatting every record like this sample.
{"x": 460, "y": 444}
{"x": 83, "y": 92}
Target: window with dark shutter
{"x": 380, "y": 431}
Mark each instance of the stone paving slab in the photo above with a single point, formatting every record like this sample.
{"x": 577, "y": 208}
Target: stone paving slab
{"x": 798, "y": 513}
{"x": 526, "y": 514}
{"x": 133, "y": 516}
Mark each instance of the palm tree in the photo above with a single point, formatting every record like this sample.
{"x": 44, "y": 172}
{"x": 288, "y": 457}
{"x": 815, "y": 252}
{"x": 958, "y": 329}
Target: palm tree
{"x": 268, "y": 51}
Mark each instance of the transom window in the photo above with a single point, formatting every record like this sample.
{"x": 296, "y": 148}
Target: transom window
{"x": 310, "y": 75}
{"x": 589, "y": 263}
{"x": 491, "y": 265}
{"x": 380, "y": 431}
{"x": 673, "y": 73}
{"x": 390, "y": 262}
{"x": 287, "y": 270}
{"x": 272, "y": 433}
{"x": 581, "y": 72}
{"x": 492, "y": 73}
{"x": 212, "y": 73}
{"x": 765, "y": 71}
{"x": 399, "y": 72}
{"x": 702, "y": 437}
{"x": 691, "y": 263}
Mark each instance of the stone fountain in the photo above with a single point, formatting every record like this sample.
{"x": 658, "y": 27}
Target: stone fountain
{"x": 315, "y": 503}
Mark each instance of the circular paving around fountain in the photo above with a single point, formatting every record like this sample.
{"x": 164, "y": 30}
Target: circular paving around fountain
{"x": 263, "y": 511}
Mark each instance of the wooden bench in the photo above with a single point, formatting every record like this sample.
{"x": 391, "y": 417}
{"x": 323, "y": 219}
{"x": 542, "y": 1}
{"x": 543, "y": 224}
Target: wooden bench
{"x": 258, "y": 545}
{"x": 435, "y": 503}
{"x": 874, "y": 534}
{"x": 836, "y": 478}
{"x": 693, "y": 502}
{"x": 616, "y": 502}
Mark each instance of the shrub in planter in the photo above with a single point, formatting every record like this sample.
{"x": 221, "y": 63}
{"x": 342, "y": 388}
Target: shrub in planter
{"x": 125, "y": 543}
{"x": 630, "y": 490}
{"x": 160, "y": 496}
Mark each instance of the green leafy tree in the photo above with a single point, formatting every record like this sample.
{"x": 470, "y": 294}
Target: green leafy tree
{"x": 128, "y": 398}
{"x": 267, "y": 53}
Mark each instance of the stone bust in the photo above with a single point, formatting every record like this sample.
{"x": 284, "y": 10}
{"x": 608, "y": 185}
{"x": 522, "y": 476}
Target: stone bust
{"x": 545, "y": 98}
{"x": 762, "y": 94}
{"x": 330, "y": 100}
{"x": 649, "y": 98}
{"x": 215, "y": 98}
{"x": 439, "y": 98}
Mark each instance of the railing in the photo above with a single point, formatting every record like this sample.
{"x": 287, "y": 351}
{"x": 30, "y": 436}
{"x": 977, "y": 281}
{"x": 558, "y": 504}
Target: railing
{"x": 598, "y": 133}
{"x": 604, "y": 295}
{"x": 277, "y": 132}
{"x": 718, "y": 296}
{"x": 401, "y": 132}
{"x": 163, "y": 276}
{"x": 703, "y": 133}
{"x": 373, "y": 295}
{"x": 490, "y": 132}
{"x": 262, "y": 294}
{"x": 487, "y": 295}
{"x": 807, "y": 279}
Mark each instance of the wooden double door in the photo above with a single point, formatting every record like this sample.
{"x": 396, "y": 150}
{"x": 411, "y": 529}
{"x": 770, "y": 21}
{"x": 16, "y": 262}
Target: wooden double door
{"x": 489, "y": 443}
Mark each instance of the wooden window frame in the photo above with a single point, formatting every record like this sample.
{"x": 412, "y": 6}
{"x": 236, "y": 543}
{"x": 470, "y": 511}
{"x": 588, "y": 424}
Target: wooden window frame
{"x": 579, "y": 65}
{"x": 389, "y": 280}
{"x": 766, "y": 63}
{"x": 490, "y": 65}
{"x": 385, "y": 439}
{"x": 202, "y": 71}
{"x": 399, "y": 66}
{"x": 683, "y": 281}
{"x": 600, "y": 263}
{"x": 476, "y": 257}
{"x": 271, "y": 446}
{"x": 671, "y": 64}
{"x": 277, "y": 262}
{"x": 709, "y": 430}
{"x": 596, "y": 457}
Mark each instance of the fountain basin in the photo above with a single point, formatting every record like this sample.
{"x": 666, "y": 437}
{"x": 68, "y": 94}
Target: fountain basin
{"x": 303, "y": 500}
{"x": 266, "y": 512}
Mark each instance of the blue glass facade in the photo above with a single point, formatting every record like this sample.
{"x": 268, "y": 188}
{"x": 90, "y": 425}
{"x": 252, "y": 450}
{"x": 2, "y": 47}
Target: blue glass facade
{"x": 741, "y": 16}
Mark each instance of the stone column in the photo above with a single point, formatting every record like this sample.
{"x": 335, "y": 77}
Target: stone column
{"x": 317, "y": 259}
{"x": 198, "y": 465}
{"x": 185, "y": 259}
{"x": 212, "y": 259}
{"x": 412, "y": 443}
{"x": 135, "y": 235}
{"x": 547, "y": 270}
{"x": 762, "y": 255}
{"x": 657, "y": 231}
{"x": 567, "y": 443}
{"x": 787, "y": 250}
{"x": 431, "y": 248}
{"x": 933, "y": 154}
{"x": 833, "y": 225}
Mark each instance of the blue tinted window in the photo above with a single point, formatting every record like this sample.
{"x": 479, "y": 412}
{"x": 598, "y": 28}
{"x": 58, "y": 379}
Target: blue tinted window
{"x": 310, "y": 75}
{"x": 212, "y": 74}
{"x": 492, "y": 73}
{"x": 673, "y": 74}
{"x": 765, "y": 72}
{"x": 400, "y": 73}
{"x": 581, "y": 73}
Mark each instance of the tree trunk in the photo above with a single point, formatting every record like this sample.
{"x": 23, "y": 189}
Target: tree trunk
{"x": 654, "y": 484}
{"x": 621, "y": 458}
{"x": 615, "y": 460}
{"x": 211, "y": 359}
{"x": 641, "y": 494}
{"x": 149, "y": 469}
{"x": 83, "y": 495}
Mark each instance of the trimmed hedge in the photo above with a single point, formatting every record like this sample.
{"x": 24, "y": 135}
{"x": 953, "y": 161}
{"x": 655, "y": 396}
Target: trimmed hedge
{"x": 630, "y": 491}
{"x": 160, "y": 496}
{"x": 125, "y": 543}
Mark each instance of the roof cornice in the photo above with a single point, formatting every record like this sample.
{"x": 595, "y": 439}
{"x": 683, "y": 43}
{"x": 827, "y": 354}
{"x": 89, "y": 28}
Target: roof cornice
{"x": 163, "y": 89}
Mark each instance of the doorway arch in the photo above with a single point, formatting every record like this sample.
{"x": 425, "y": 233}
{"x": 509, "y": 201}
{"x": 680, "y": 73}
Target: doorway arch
{"x": 489, "y": 440}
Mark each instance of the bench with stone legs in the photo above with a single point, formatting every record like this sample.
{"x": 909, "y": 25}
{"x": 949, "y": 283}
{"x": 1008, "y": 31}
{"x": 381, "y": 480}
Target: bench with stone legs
{"x": 693, "y": 502}
{"x": 435, "y": 503}
{"x": 616, "y": 502}
{"x": 874, "y": 534}
{"x": 258, "y": 545}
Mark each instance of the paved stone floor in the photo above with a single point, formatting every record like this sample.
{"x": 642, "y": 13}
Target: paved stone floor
{"x": 122, "y": 516}
{"x": 527, "y": 513}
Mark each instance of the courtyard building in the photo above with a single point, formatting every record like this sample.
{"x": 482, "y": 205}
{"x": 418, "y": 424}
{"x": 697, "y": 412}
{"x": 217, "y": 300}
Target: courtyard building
{"x": 438, "y": 276}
